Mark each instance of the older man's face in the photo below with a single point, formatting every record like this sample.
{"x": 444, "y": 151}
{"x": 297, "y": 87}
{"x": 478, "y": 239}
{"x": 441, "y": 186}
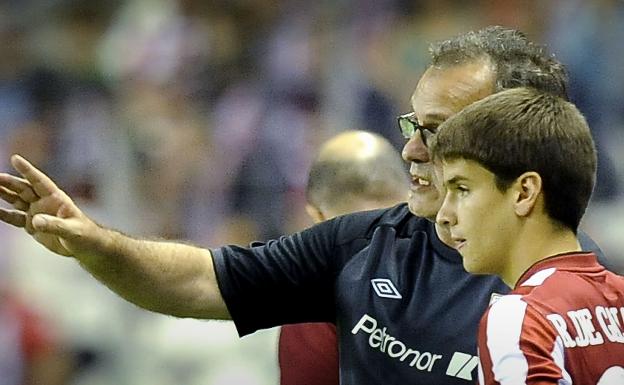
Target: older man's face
{"x": 440, "y": 93}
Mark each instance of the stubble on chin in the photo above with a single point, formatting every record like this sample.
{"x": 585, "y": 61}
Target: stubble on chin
{"x": 424, "y": 207}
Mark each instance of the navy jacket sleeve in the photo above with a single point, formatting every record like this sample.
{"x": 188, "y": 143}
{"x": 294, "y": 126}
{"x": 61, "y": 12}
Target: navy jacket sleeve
{"x": 287, "y": 280}
{"x": 291, "y": 279}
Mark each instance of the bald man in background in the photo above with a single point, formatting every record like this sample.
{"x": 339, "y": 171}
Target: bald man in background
{"x": 354, "y": 171}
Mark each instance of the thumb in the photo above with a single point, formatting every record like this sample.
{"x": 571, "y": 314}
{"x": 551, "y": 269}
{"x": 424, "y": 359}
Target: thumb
{"x": 64, "y": 228}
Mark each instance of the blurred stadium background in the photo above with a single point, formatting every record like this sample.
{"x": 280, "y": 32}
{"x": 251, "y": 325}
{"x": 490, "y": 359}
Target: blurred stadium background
{"x": 197, "y": 119}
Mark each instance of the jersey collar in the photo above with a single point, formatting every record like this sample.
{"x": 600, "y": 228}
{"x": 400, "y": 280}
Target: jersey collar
{"x": 577, "y": 261}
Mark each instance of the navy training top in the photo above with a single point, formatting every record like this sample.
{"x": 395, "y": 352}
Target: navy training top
{"x": 406, "y": 310}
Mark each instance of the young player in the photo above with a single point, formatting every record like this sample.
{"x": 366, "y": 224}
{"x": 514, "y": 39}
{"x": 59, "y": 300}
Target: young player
{"x": 519, "y": 168}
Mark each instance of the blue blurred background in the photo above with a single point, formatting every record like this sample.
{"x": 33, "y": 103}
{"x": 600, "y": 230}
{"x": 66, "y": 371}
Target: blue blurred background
{"x": 197, "y": 120}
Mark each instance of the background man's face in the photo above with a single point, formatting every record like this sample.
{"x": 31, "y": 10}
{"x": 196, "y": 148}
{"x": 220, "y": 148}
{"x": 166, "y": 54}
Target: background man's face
{"x": 440, "y": 93}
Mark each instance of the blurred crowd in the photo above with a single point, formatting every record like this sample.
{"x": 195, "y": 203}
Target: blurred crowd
{"x": 197, "y": 120}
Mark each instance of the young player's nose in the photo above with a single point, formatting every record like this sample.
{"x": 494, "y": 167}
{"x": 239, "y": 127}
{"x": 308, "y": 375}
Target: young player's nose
{"x": 445, "y": 216}
{"x": 415, "y": 150}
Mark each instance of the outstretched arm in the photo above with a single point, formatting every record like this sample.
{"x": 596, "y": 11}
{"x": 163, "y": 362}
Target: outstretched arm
{"x": 166, "y": 277}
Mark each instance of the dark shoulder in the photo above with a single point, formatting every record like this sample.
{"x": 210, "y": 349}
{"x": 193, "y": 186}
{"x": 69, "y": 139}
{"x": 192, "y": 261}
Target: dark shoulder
{"x": 588, "y": 244}
{"x": 363, "y": 224}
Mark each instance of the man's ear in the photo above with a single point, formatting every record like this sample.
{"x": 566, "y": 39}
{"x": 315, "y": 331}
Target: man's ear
{"x": 529, "y": 189}
{"x": 315, "y": 213}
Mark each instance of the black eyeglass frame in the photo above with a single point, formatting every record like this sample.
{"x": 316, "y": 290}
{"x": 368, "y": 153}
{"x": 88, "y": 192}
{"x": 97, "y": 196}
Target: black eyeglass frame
{"x": 408, "y": 127}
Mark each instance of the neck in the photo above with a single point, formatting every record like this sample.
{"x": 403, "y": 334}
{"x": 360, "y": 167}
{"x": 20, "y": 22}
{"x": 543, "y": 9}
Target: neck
{"x": 533, "y": 244}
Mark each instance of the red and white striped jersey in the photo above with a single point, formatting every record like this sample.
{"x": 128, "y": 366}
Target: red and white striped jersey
{"x": 562, "y": 324}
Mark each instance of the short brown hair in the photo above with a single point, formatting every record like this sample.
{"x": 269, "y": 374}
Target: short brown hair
{"x": 522, "y": 130}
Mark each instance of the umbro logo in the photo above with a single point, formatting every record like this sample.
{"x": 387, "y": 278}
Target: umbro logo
{"x": 385, "y": 288}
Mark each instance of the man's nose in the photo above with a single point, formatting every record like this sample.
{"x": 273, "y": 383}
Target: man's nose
{"x": 415, "y": 149}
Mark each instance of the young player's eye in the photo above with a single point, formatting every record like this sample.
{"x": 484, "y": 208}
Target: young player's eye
{"x": 462, "y": 190}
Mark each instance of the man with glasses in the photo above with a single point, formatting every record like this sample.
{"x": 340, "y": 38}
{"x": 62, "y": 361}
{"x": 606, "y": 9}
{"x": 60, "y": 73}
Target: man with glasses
{"x": 405, "y": 309}
{"x": 408, "y": 124}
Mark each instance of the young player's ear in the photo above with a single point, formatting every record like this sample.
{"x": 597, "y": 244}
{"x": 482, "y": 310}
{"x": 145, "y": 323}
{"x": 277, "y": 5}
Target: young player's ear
{"x": 315, "y": 213}
{"x": 529, "y": 188}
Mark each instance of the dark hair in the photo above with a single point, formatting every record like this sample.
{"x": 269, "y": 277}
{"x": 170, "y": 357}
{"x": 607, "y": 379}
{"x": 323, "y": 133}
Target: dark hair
{"x": 522, "y": 130}
{"x": 517, "y": 61}
{"x": 339, "y": 179}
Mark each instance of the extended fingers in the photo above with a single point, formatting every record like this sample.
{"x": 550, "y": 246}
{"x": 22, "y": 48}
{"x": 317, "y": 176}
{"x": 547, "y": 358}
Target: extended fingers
{"x": 14, "y": 199}
{"x": 40, "y": 182}
{"x": 13, "y": 217}
{"x": 18, "y": 186}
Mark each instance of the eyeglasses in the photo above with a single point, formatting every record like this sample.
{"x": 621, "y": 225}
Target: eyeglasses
{"x": 408, "y": 126}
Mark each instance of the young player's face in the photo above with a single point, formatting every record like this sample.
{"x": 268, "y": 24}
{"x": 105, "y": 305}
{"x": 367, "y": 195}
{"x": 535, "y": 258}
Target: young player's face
{"x": 480, "y": 217}
{"x": 440, "y": 93}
